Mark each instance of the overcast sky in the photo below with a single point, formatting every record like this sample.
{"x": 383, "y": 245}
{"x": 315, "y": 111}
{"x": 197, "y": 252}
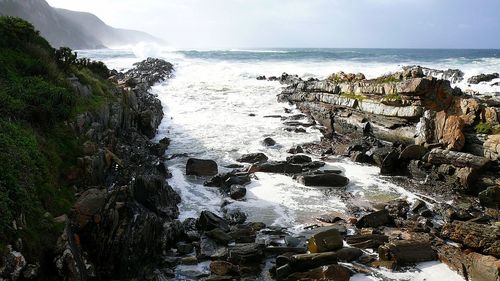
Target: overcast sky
{"x": 305, "y": 23}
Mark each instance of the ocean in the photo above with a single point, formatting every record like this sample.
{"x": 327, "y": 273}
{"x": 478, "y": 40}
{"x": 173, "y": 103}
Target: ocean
{"x": 215, "y": 108}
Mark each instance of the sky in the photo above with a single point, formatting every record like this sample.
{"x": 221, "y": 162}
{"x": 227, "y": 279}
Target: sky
{"x": 305, "y": 23}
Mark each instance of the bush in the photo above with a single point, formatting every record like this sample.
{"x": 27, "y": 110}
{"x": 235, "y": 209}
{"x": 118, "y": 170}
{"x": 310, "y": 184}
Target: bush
{"x": 483, "y": 128}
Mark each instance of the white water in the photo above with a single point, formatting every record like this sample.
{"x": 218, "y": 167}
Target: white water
{"x": 207, "y": 107}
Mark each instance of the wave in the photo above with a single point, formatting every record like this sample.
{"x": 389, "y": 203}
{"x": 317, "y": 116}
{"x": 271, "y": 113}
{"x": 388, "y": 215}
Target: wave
{"x": 259, "y": 51}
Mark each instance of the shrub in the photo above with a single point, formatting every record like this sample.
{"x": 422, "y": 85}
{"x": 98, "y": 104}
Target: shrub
{"x": 483, "y": 128}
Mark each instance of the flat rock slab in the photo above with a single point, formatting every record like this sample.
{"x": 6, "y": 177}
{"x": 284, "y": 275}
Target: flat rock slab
{"x": 326, "y": 180}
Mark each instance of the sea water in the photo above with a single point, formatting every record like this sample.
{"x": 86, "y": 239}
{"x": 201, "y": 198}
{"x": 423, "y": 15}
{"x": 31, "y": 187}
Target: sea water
{"x": 215, "y": 108}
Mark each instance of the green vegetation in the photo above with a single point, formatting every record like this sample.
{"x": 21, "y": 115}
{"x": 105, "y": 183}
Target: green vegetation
{"x": 392, "y": 98}
{"x": 487, "y": 128}
{"x": 353, "y": 96}
{"x": 37, "y": 148}
{"x": 389, "y": 79}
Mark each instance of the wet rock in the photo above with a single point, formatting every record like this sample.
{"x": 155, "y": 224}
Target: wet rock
{"x": 243, "y": 234}
{"x": 268, "y": 142}
{"x": 348, "y": 254}
{"x": 305, "y": 262}
{"x": 191, "y": 260}
{"x": 280, "y": 167}
{"x": 406, "y": 252}
{"x": 260, "y": 77}
{"x": 473, "y": 265}
{"x": 237, "y": 192}
{"x": 480, "y": 237}
{"x": 235, "y": 216}
{"x": 332, "y": 217}
{"x": 209, "y": 221}
{"x": 209, "y": 249}
{"x": 328, "y": 180}
{"x": 325, "y": 241}
{"x": 253, "y": 158}
{"x": 31, "y": 271}
{"x": 482, "y": 78}
{"x": 390, "y": 164}
{"x": 490, "y": 198}
{"x": 156, "y": 195}
{"x": 368, "y": 241}
{"x": 298, "y": 159}
{"x": 375, "y": 219}
{"x": 201, "y": 167}
{"x": 219, "y": 236}
{"x": 296, "y": 149}
{"x": 332, "y": 272}
{"x": 223, "y": 268}
{"x": 245, "y": 253}
{"x": 413, "y": 152}
{"x": 184, "y": 248}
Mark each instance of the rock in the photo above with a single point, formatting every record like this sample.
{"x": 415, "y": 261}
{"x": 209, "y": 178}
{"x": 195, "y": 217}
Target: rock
{"x": 245, "y": 253}
{"x": 209, "y": 221}
{"x": 332, "y": 273}
{"x": 458, "y": 159}
{"x": 156, "y": 195}
{"x": 480, "y": 237}
{"x": 453, "y": 137}
{"x": 253, "y": 158}
{"x": 367, "y": 241}
{"x": 200, "y": 167}
{"x": 223, "y": 268}
{"x": 325, "y": 241}
{"x": 490, "y": 198}
{"x": 296, "y": 149}
{"x": 348, "y": 254}
{"x": 89, "y": 204}
{"x": 482, "y": 78}
{"x": 243, "y": 234}
{"x": 492, "y": 147}
{"x": 31, "y": 271}
{"x": 184, "y": 248}
{"x": 191, "y": 260}
{"x": 235, "y": 216}
{"x": 209, "y": 249}
{"x": 219, "y": 236}
{"x": 375, "y": 219}
{"x": 491, "y": 115}
{"x": 390, "y": 163}
{"x": 237, "y": 192}
{"x": 327, "y": 180}
{"x": 269, "y": 142}
{"x": 413, "y": 152}
{"x": 406, "y": 252}
{"x": 475, "y": 266}
{"x": 260, "y": 77}
{"x": 280, "y": 167}
{"x": 298, "y": 159}
{"x": 12, "y": 264}
{"x": 304, "y": 262}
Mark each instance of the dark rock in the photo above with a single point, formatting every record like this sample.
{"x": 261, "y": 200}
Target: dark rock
{"x": 245, "y": 253}
{"x": 390, "y": 164}
{"x": 223, "y": 268}
{"x": 482, "y": 78}
{"x": 237, "y": 192}
{"x": 283, "y": 271}
{"x": 331, "y": 272}
{"x": 304, "y": 262}
{"x": 296, "y": 149}
{"x": 417, "y": 206}
{"x": 480, "y": 237}
{"x": 375, "y": 219}
{"x": 235, "y": 216}
{"x": 156, "y": 195}
{"x": 325, "y": 241}
{"x": 89, "y": 204}
{"x": 219, "y": 236}
{"x": 184, "y": 248}
{"x": 413, "y": 152}
{"x": 490, "y": 198}
{"x": 327, "y": 180}
{"x": 200, "y": 167}
{"x": 243, "y": 234}
{"x": 298, "y": 159}
{"x": 253, "y": 158}
{"x": 269, "y": 142}
{"x": 406, "y": 252}
{"x": 261, "y": 77}
{"x": 367, "y": 241}
{"x": 348, "y": 254}
{"x": 280, "y": 167}
{"x": 209, "y": 221}
{"x": 209, "y": 249}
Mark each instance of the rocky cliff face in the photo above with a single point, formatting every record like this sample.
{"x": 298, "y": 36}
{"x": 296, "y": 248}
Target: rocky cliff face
{"x": 66, "y": 28}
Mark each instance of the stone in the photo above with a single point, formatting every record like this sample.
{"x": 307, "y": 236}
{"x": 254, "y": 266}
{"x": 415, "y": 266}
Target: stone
{"x": 332, "y": 273}
{"x": 327, "y": 180}
{"x": 475, "y": 266}
{"x": 209, "y": 249}
{"x": 482, "y": 78}
{"x": 367, "y": 241}
{"x": 156, "y": 195}
{"x": 458, "y": 159}
{"x": 453, "y": 136}
{"x": 184, "y": 248}
{"x": 298, "y": 159}
{"x": 348, "y": 254}
{"x": 480, "y": 237}
{"x": 219, "y": 236}
{"x": 201, "y": 167}
{"x": 235, "y": 216}
{"x": 490, "y": 197}
{"x": 296, "y": 149}
{"x": 413, "y": 152}
{"x": 89, "y": 204}
{"x": 223, "y": 268}
{"x": 268, "y": 142}
{"x": 325, "y": 241}
{"x": 375, "y": 219}
{"x": 303, "y": 262}
{"x": 12, "y": 264}
{"x": 245, "y": 253}
{"x": 243, "y": 234}
{"x": 209, "y": 221}
{"x": 253, "y": 158}
{"x": 237, "y": 192}
{"x": 491, "y": 115}
{"x": 492, "y": 148}
{"x": 279, "y": 167}
{"x": 406, "y": 252}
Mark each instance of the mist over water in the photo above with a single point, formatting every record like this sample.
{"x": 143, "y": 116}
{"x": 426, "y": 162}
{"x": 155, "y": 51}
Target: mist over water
{"x": 215, "y": 108}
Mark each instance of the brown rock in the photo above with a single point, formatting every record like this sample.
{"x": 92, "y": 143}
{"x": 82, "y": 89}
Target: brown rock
{"x": 89, "y": 204}
{"x": 223, "y": 268}
{"x": 492, "y": 147}
{"x": 480, "y": 237}
{"x": 490, "y": 116}
{"x": 407, "y": 252}
{"x": 453, "y": 137}
{"x": 472, "y": 265}
{"x": 332, "y": 273}
{"x": 470, "y": 110}
{"x": 325, "y": 241}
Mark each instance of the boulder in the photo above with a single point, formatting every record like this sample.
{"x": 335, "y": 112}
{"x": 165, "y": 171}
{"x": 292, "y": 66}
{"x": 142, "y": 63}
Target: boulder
{"x": 296, "y": 149}
{"x": 209, "y": 249}
{"x": 453, "y": 136}
{"x": 184, "y": 248}
{"x": 268, "y": 142}
{"x": 201, "y": 167}
{"x": 89, "y": 204}
{"x": 298, "y": 159}
{"x": 490, "y": 197}
{"x": 375, "y": 219}
{"x": 348, "y": 254}
{"x": 237, "y": 192}
{"x": 458, "y": 159}
{"x": 367, "y": 241}
{"x": 327, "y": 180}
{"x": 406, "y": 252}
{"x": 209, "y": 221}
{"x": 332, "y": 273}
{"x": 243, "y": 234}
{"x": 303, "y": 262}
{"x": 235, "y": 216}
{"x": 325, "y": 241}
{"x": 245, "y": 253}
{"x": 253, "y": 158}
{"x": 413, "y": 152}
{"x": 219, "y": 236}
{"x": 482, "y": 78}
{"x": 223, "y": 268}
{"x": 473, "y": 265}
{"x": 480, "y": 237}
{"x": 279, "y": 167}
{"x": 156, "y": 195}
{"x": 492, "y": 147}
